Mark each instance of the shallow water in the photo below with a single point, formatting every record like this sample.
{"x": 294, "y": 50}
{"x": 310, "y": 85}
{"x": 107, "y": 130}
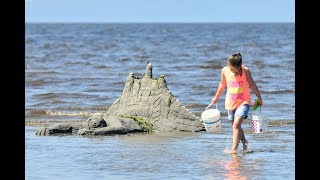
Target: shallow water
{"x": 180, "y": 155}
{"x": 75, "y": 70}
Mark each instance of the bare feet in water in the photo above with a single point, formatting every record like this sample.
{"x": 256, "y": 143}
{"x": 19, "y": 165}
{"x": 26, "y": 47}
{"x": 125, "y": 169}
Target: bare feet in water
{"x": 245, "y": 145}
{"x": 230, "y": 151}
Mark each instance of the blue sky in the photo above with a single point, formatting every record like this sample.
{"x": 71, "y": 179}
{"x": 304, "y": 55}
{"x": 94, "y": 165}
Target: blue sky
{"x": 160, "y": 11}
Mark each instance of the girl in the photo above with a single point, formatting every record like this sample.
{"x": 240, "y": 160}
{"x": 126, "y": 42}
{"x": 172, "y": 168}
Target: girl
{"x": 237, "y": 78}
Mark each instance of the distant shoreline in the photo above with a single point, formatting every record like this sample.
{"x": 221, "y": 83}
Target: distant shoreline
{"x": 125, "y": 23}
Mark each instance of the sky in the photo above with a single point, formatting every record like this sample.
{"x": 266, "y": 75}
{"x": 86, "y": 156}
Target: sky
{"x": 159, "y": 11}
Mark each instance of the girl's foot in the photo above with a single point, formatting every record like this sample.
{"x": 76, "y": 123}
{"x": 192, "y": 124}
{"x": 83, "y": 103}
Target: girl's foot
{"x": 245, "y": 145}
{"x": 230, "y": 151}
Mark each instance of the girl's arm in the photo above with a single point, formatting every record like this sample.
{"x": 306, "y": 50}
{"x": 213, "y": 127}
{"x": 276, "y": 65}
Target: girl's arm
{"x": 253, "y": 85}
{"x": 221, "y": 87}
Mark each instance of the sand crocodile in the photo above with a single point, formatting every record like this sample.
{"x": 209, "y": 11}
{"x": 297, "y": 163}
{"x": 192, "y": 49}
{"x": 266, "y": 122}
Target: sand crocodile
{"x": 145, "y": 105}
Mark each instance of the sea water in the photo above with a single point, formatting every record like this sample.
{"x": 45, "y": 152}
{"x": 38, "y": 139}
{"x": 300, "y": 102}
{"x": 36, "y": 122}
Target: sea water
{"x": 75, "y": 70}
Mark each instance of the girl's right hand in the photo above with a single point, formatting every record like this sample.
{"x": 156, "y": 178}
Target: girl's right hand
{"x": 213, "y": 100}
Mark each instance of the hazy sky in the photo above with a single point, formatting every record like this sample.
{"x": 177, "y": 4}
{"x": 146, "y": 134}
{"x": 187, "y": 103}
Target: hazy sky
{"x": 159, "y": 10}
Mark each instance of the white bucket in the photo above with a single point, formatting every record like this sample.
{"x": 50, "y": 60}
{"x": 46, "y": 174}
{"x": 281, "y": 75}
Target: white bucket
{"x": 211, "y": 119}
{"x": 259, "y": 124}
{"x": 211, "y": 127}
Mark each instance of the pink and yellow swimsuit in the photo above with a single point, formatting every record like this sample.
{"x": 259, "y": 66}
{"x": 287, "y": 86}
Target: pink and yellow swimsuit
{"x": 238, "y": 92}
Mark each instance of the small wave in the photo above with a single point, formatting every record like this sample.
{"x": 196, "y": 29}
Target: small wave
{"x": 251, "y": 150}
{"x": 84, "y": 114}
{"x": 189, "y": 106}
{"x": 142, "y": 57}
{"x": 103, "y": 108}
{"x": 272, "y": 123}
{"x": 241, "y": 152}
{"x": 37, "y": 113}
{"x": 33, "y": 73}
{"x": 46, "y": 95}
{"x": 280, "y": 123}
{"x": 39, "y": 82}
{"x": 139, "y": 75}
{"x": 57, "y": 101}
{"x": 274, "y": 66}
{"x": 123, "y": 59}
{"x": 102, "y": 67}
{"x": 87, "y": 55}
{"x": 211, "y": 66}
{"x": 59, "y": 113}
{"x": 286, "y": 91}
{"x": 29, "y": 40}
{"x": 47, "y": 122}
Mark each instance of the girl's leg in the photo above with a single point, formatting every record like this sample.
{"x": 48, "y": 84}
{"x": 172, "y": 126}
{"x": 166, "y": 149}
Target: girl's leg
{"x": 237, "y": 116}
{"x": 243, "y": 140}
{"x": 242, "y": 112}
{"x": 237, "y": 132}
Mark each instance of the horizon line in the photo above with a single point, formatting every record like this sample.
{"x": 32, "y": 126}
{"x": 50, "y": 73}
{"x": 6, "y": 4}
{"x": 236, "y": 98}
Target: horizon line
{"x": 154, "y": 22}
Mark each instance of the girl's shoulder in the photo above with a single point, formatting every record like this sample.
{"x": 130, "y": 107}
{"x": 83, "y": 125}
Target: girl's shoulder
{"x": 225, "y": 68}
{"x": 246, "y": 71}
{"x": 245, "y": 68}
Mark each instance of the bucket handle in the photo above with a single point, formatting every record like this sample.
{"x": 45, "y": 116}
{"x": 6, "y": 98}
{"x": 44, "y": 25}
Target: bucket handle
{"x": 211, "y": 105}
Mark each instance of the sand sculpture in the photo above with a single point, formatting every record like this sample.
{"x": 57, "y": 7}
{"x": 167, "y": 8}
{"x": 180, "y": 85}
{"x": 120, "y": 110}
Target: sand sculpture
{"x": 145, "y": 105}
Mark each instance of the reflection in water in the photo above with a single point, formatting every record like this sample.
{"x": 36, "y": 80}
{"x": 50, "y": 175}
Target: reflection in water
{"x": 233, "y": 168}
